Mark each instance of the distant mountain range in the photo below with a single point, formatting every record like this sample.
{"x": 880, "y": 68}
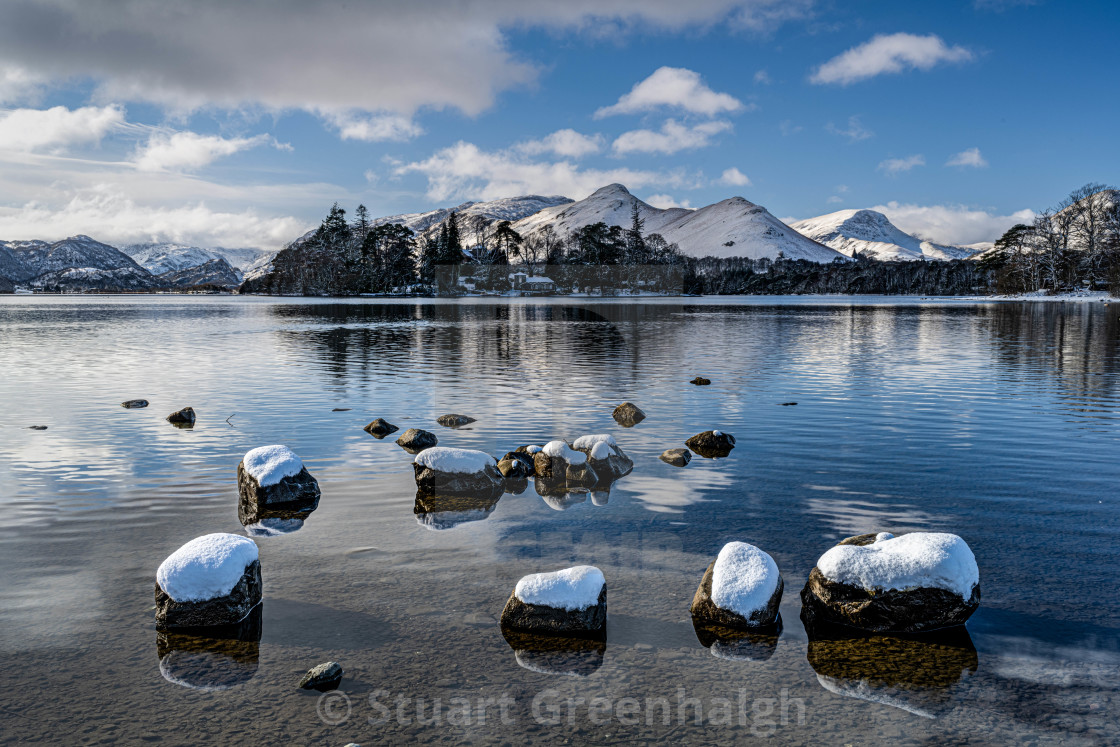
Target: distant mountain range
{"x": 871, "y": 234}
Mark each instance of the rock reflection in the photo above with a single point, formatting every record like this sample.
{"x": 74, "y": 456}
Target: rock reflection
{"x": 440, "y": 512}
{"x": 739, "y": 645}
{"x": 914, "y": 673}
{"x": 212, "y": 659}
{"x": 573, "y": 657}
{"x": 269, "y": 520}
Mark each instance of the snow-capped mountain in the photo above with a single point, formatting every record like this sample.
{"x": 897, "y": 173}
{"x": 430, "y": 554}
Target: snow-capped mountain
{"x": 871, "y": 234}
{"x": 509, "y": 208}
{"x": 11, "y": 266}
{"x": 731, "y": 228}
{"x": 215, "y": 272}
{"x": 162, "y": 258}
{"x": 71, "y": 253}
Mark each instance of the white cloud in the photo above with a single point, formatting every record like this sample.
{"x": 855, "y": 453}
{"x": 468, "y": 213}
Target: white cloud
{"x": 952, "y": 224}
{"x": 667, "y": 201}
{"x": 896, "y": 166}
{"x": 970, "y": 158}
{"x": 332, "y": 55}
{"x": 673, "y": 87}
{"x": 564, "y": 143}
{"x": 56, "y": 128}
{"x": 464, "y": 171}
{"x": 762, "y": 77}
{"x": 373, "y": 128}
{"x": 732, "y": 177}
{"x": 888, "y": 53}
{"x": 17, "y": 84}
{"x": 672, "y": 138}
{"x": 855, "y": 132}
{"x": 189, "y": 150}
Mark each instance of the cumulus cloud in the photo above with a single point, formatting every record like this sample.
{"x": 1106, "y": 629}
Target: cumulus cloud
{"x": 673, "y": 87}
{"x": 189, "y": 150}
{"x": 672, "y": 137}
{"x": 667, "y": 201}
{"x": 564, "y": 143}
{"x": 896, "y": 166}
{"x": 333, "y": 55}
{"x": 968, "y": 158}
{"x": 373, "y": 128}
{"x": 56, "y": 128}
{"x": 854, "y": 132}
{"x": 952, "y": 224}
{"x": 888, "y": 53}
{"x": 465, "y": 171}
{"x": 732, "y": 177}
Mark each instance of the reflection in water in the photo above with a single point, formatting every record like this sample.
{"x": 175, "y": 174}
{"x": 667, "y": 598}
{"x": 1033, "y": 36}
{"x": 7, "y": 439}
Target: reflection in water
{"x": 211, "y": 659}
{"x": 914, "y": 673}
{"x": 739, "y": 645}
{"x": 269, "y": 520}
{"x": 448, "y": 511}
{"x": 575, "y": 657}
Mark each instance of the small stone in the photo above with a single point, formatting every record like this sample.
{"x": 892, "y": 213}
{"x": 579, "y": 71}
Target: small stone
{"x": 132, "y": 404}
{"x": 516, "y": 465}
{"x": 341, "y": 409}
{"x": 628, "y": 415}
{"x": 37, "y": 427}
{"x": 788, "y": 404}
{"x": 700, "y": 381}
{"x": 326, "y": 676}
{"x": 453, "y": 420}
{"x": 711, "y": 444}
{"x": 416, "y": 440}
{"x": 676, "y": 457}
{"x": 184, "y": 416}
{"x": 380, "y": 428}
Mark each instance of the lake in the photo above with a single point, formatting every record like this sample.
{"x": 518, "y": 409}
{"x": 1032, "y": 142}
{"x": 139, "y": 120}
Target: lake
{"x": 999, "y": 422}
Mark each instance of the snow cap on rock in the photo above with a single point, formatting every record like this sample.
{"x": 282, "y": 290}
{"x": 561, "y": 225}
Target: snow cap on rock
{"x": 207, "y": 567}
{"x": 744, "y": 579}
{"x": 915, "y": 560}
{"x": 575, "y": 588}
{"x": 268, "y": 465}
{"x": 455, "y": 461}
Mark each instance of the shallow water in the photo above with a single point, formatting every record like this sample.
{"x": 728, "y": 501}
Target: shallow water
{"x": 998, "y": 422}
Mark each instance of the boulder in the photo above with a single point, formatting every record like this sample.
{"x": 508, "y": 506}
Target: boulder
{"x": 560, "y": 469}
{"x": 273, "y": 476}
{"x": 628, "y": 415}
{"x": 182, "y": 417}
{"x": 917, "y": 582}
{"x": 213, "y": 580}
{"x": 453, "y": 420}
{"x": 605, "y": 457}
{"x": 132, "y": 404}
{"x": 571, "y": 602}
{"x": 442, "y": 470}
{"x": 415, "y": 440}
{"x": 711, "y": 444}
{"x": 323, "y": 677}
{"x": 741, "y": 589}
{"x": 676, "y": 457}
{"x": 516, "y": 466}
{"x": 380, "y": 428}
{"x": 700, "y": 381}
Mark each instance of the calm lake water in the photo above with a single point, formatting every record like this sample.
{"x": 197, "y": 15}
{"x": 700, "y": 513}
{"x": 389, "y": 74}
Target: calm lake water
{"x": 998, "y": 422}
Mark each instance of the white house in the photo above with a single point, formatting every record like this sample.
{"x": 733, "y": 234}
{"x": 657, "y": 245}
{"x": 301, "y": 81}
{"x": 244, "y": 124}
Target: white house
{"x": 531, "y": 284}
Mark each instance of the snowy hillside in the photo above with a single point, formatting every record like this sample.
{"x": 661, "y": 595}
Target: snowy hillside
{"x": 11, "y": 266}
{"x": 732, "y": 228}
{"x": 871, "y": 234}
{"x": 509, "y": 208}
{"x": 215, "y": 272}
{"x": 162, "y": 258}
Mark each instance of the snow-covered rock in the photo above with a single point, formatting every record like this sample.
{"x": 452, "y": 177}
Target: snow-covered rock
{"x": 711, "y": 444}
{"x": 212, "y": 580}
{"x": 572, "y": 601}
{"x": 916, "y": 582}
{"x": 740, "y": 589}
{"x": 442, "y": 470}
{"x": 871, "y": 234}
{"x": 605, "y": 455}
{"x": 561, "y": 469}
{"x": 628, "y": 415}
{"x": 274, "y": 484}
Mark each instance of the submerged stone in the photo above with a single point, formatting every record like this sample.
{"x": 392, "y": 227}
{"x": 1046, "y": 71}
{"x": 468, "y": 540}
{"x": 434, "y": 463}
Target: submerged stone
{"x": 323, "y": 677}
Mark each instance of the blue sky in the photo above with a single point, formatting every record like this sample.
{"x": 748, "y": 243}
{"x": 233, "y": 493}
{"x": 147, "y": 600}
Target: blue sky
{"x": 238, "y": 124}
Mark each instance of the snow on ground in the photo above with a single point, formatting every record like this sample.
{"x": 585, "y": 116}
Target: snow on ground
{"x": 919, "y": 559}
{"x": 268, "y": 465}
{"x": 450, "y": 460}
{"x": 744, "y": 578}
{"x": 571, "y": 589}
{"x": 207, "y": 567}
{"x": 1044, "y": 295}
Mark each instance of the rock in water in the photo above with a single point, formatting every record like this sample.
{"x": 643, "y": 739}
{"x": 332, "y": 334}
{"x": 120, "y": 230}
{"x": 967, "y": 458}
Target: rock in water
{"x": 454, "y": 421}
{"x": 571, "y": 602}
{"x": 516, "y": 465}
{"x": 628, "y": 415}
{"x": 700, "y": 381}
{"x": 711, "y": 444}
{"x": 212, "y": 580}
{"x": 380, "y": 428}
{"x": 676, "y": 457}
{"x": 182, "y": 417}
{"x": 326, "y": 676}
{"x": 605, "y": 457}
{"x": 880, "y": 583}
{"x": 132, "y": 404}
{"x": 441, "y": 470}
{"x": 560, "y": 468}
{"x": 274, "y": 476}
{"x": 741, "y": 589}
{"x": 415, "y": 440}
{"x": 36, "y": 427}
